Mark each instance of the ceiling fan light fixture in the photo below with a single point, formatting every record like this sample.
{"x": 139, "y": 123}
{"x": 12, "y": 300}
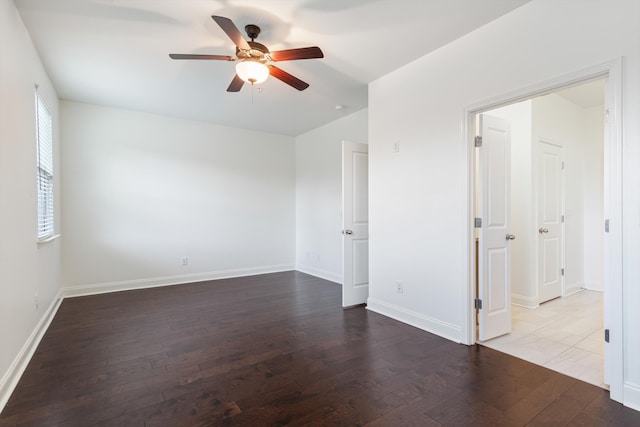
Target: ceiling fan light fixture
{"x": 252, "y": 72}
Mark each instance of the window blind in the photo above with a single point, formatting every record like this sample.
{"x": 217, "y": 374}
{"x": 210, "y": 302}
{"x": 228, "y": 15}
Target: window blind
{"x": 45, "y": 169}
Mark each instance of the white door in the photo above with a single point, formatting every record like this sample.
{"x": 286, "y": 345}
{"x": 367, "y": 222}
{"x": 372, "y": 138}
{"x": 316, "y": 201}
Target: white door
{"x": 550, "y": 218}
{"x": 494, "y": 255}
{"x": 355, "y": 223}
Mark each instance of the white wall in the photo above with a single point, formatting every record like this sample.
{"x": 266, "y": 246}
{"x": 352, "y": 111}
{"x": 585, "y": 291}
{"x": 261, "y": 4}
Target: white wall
{"x": 26, "y": 268}
{"x": 144, "y": 191}
{"x": 593, "y": 190}
{"x": 319, "y": 194}
{"x": 418, "y": 197}
{"x": 522, "y": 249}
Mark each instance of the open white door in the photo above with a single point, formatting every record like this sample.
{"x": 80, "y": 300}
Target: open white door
{"x": 494, "y": 255}
{"x": 355, "y": 223}
{"x": 550, "y": 219}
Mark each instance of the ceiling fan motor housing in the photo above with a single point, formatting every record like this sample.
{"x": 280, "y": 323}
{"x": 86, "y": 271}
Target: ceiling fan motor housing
{"x": 252, "y": 31}
{"x": 257, "y": 51}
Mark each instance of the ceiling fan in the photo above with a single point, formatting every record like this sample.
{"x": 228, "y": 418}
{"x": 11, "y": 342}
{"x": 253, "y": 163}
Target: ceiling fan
{"x": 254, "y": 60}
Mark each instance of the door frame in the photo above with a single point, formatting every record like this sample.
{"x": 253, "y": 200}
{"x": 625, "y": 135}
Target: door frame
{"x": 613, "y": 295}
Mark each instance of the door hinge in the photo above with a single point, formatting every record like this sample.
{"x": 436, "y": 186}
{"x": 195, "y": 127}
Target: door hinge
{"x": 478, "y": 222}
{"x": 562, "y": 271}
{"x": 606, "y": 335}
{"x": 606, "y": 115}
{"x": 562, "y": 166}
{"x": 606, "y": 225}
{"x": 562, "y": 220}
{"x": 477, "y": 141}
{"x": 477, "y": 304}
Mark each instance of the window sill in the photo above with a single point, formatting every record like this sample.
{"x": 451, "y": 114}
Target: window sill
{"x": 48, "y": 239}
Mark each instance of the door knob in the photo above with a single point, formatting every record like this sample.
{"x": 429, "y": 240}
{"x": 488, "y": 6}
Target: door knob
{"x": 347, "y": 232}
{"x": 510, "y": 237}
{"x": 543, "y": 230}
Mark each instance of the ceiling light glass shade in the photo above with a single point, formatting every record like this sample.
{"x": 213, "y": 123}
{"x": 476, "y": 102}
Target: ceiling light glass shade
{"x": 252, "y": 71}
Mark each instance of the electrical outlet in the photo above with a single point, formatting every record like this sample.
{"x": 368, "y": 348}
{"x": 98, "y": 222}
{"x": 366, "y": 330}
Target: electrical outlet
{"x": 185, "y": 261}
{"x": 396, "y": 146}
{"x": 36, "y": 301}
{"x": 399, "y": 287}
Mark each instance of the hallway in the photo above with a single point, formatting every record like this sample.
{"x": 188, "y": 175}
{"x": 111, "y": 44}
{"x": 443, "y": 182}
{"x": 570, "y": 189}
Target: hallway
{"x": 565, "y": 335}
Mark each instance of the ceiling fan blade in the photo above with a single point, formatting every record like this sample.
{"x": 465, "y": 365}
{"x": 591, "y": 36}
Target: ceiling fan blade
{"x": 210, "y": 57}
{"x": 236, "y": 84}
{"x": 232, "y": 31}
{"x": 301, "y": 53}
{"x": 287, "y": 78}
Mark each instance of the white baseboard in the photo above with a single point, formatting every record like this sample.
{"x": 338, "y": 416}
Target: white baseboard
{"x": 632, "y": 396}
{"x": 572, "y": 288}
{"x": 594, "y": 287}
{"x": 524, "y": 301}
{"x": 10, "y": 380}
{"x": 420, "y": 321}
{"x": 323, "y": 274}
{"x": 153, "y": 282}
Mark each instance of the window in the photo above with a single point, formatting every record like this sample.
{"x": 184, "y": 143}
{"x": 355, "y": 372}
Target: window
{"x": 45, "y": 169}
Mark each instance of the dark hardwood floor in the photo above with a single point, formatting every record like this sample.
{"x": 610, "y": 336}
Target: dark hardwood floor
{"x": 277, "y": 349}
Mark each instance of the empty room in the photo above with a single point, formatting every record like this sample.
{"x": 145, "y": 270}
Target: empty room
{"x": 300, "y": 212}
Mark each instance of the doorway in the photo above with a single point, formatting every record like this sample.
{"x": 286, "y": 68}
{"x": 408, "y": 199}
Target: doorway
{"x": 611, "y": 208}
{"x": 555, "y": 168}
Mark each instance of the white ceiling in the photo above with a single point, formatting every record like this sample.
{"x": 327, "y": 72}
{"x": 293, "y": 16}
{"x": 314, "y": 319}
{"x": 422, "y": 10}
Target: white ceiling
{"x": 586, "y": 95}
{"x": 115, "y": 52}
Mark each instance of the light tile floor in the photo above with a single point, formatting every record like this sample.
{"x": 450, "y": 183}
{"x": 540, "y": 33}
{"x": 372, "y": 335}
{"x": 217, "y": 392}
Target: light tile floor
{"x": 565, "y": 334}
